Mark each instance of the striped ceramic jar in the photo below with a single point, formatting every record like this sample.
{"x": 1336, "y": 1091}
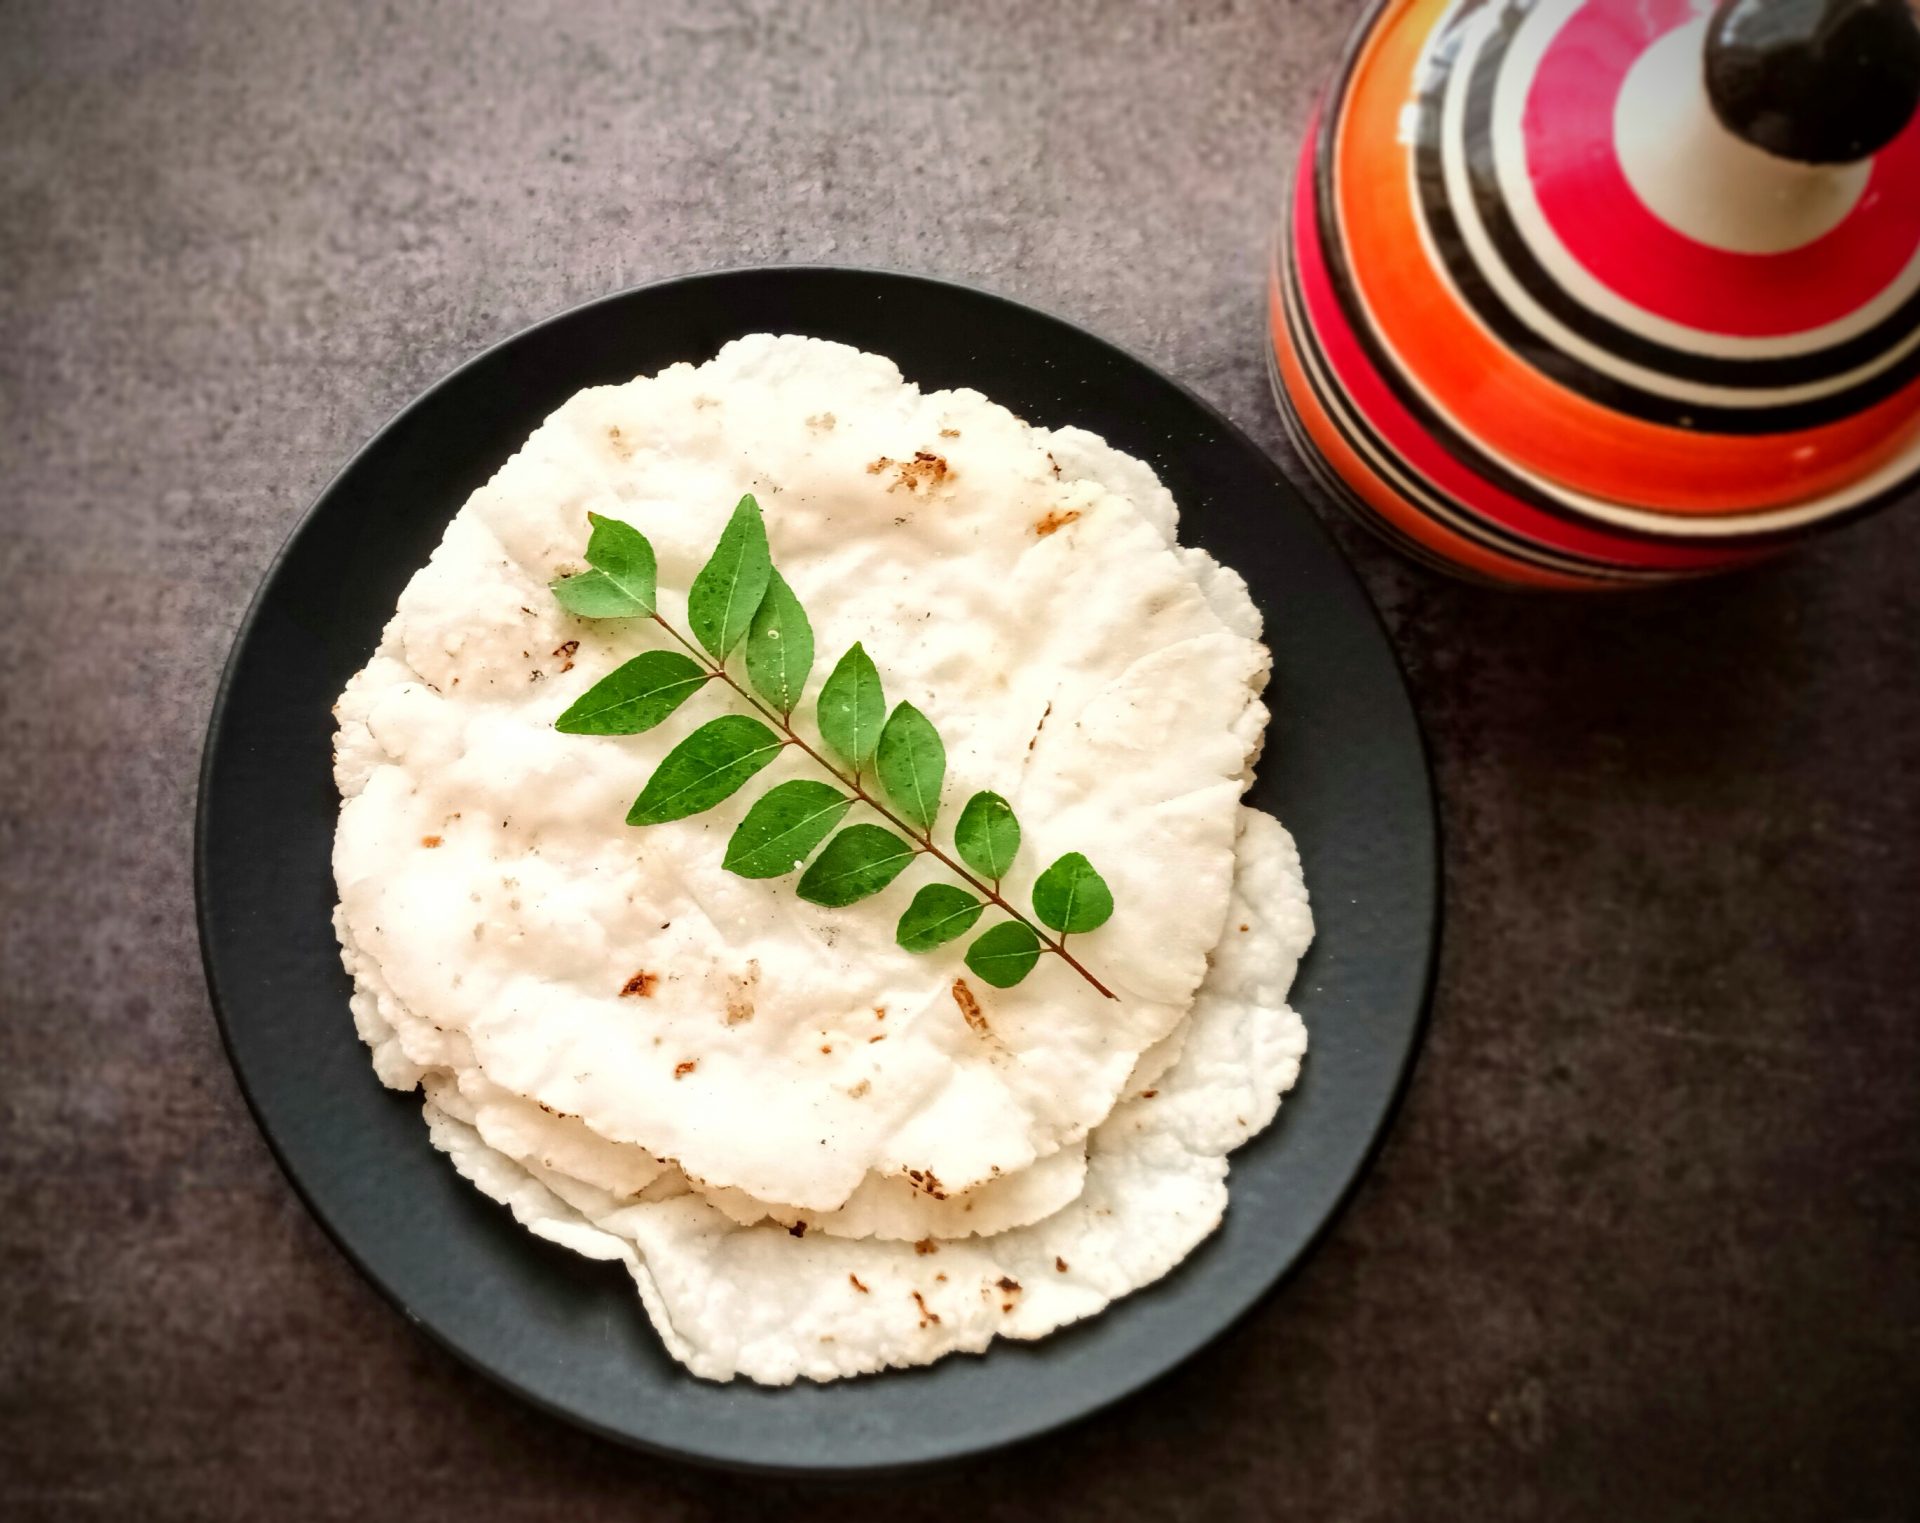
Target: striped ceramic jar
{"x": 1579, "y": 293}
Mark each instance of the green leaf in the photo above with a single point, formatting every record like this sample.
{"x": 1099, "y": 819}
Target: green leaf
{"x": 861, "y": 860}
{"x": 779, "y": 646}
{"x": 912, "y": 764}
{"x": 988, "y": 835}
{"x": 621, "y": 583}
{"x": 1071, "y": 897}
{"x": 724, "y": 596}
{"x": 634, "y": 697}
{"x": 852, "y": 708}
{"x": 783, "y": 827}
{"x": 1006, "y": 954}
{"x": 709, "y": 765}
{"x": 939, "y": 913}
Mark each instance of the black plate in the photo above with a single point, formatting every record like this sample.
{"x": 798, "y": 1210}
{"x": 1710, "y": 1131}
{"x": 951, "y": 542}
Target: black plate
{"x": 1344, "y": 768}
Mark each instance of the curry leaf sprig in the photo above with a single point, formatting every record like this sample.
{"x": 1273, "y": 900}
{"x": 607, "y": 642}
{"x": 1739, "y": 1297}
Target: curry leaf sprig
{"x": 892, "y": 762}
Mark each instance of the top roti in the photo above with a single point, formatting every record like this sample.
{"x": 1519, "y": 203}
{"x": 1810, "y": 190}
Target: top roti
{"x": 1045, "y": 624}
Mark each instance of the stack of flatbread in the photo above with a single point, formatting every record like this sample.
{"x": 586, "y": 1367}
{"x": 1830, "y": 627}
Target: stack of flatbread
{"x": 818, "y": 1154}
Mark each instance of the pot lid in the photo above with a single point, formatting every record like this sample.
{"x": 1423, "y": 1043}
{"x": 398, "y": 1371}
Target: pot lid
{"x": 1651, "y": 258}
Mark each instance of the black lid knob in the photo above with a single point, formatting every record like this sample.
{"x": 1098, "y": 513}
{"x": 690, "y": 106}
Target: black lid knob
{"x": 1821, "y": 81}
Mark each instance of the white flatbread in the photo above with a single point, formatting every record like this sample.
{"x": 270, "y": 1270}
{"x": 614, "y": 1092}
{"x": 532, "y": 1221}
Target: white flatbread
{"x": 409, "y": 1052}
{"x": 882, "y": 1206}
{"x": 1049, "y": 629}
{"x": 759, "y": 1302}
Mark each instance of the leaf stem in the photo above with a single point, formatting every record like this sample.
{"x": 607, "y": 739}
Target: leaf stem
{"x": 924, "y": 839}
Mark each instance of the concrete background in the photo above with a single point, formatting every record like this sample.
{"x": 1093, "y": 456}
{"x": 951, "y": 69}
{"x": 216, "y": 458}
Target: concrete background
{"x": 1646, "y": 1243}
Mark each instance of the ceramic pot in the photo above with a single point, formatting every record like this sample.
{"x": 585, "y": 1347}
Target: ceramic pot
{"x": 1587, "y": 293}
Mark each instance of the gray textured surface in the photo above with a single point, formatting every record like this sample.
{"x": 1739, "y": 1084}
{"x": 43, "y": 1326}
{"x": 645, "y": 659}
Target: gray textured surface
{"x": 1646, "y": 1244}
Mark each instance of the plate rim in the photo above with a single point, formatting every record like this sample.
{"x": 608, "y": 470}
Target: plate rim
{"x": 1151, "y": 1371}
